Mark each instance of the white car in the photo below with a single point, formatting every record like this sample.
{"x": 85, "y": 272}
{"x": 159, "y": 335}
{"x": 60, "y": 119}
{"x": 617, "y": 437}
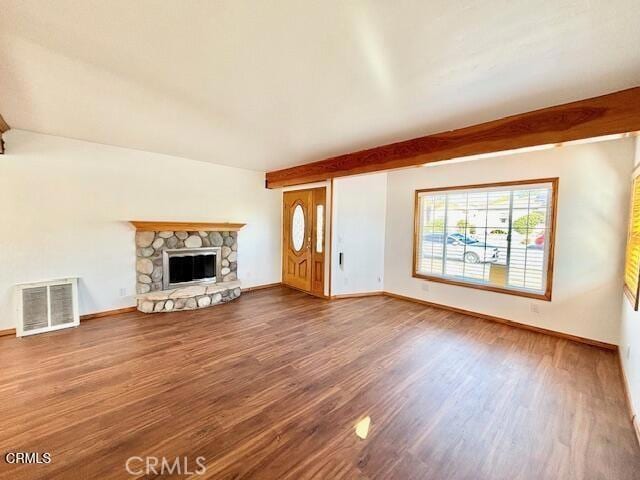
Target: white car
{"x": 459, "y": 246}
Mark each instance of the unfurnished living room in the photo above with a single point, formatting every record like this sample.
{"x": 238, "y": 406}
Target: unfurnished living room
{"x": 300, "y": 239}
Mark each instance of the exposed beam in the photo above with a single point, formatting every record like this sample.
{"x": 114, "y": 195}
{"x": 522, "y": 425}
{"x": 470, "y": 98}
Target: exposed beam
{"x": 3, "y": 128}
{"x": 610, "y": 114}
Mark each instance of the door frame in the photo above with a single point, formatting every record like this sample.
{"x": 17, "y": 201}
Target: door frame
{"x": 328, "y": 234}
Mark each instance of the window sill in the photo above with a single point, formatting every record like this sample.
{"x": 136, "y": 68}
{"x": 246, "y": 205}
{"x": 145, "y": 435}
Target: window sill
{"x": 538, "y": 296}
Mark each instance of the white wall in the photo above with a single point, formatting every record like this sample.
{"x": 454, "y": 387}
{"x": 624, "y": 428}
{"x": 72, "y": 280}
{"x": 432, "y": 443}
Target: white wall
{"x": 630, "y": 336}
{"x": 359, "y": 205}
{"x": 590, "y": 236}
{"x": 64, "y": 207}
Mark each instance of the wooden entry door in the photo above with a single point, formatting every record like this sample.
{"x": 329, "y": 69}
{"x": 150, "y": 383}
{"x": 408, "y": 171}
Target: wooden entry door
{"x": 303, "y": 239}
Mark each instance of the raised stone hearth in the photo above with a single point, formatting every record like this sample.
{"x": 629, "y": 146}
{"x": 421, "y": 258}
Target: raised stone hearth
{"x": 188, "y": 298}
{"x": 159, "y": 294}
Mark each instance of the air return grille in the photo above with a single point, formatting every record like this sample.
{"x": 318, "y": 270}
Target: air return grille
{"x": 35, "y": 312}
{"x": 47, "y": 306}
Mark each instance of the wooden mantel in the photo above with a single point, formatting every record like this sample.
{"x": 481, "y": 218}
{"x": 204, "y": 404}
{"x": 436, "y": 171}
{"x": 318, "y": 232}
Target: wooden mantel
{"x": 159, "y": 226}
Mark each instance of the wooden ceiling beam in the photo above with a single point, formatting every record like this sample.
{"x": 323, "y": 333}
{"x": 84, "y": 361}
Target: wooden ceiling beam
{"x": 610, "y": 114}
{"x": 4, "y": 127}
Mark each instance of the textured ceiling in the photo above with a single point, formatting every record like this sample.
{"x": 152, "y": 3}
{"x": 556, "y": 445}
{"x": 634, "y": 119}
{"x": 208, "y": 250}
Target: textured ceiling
{"x": 269, "y": 84}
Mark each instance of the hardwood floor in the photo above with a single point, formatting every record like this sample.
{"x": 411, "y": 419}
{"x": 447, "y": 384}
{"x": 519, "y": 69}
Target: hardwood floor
{"x": 271, "y": 386}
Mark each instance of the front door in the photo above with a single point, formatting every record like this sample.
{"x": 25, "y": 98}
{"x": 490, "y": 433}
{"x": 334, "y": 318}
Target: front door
{"x": 303, "y": 239}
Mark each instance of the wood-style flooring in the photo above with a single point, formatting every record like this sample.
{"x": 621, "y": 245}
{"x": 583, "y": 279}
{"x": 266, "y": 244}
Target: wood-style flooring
{"x": 272, "y": 386}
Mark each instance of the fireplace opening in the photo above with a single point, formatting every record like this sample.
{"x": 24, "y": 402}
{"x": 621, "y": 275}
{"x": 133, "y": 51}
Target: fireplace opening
{"x": 190, "y": 266}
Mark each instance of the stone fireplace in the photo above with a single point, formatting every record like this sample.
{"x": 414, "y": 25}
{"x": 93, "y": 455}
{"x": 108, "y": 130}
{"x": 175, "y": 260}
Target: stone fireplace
{"x": 185, "y": 269}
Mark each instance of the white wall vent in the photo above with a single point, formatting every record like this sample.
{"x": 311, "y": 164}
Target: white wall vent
{"x": 47, "y": 306}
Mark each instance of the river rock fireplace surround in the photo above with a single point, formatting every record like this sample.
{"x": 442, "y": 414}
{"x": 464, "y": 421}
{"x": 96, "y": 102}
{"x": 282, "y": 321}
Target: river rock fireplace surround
{"x": 184, "y": 266}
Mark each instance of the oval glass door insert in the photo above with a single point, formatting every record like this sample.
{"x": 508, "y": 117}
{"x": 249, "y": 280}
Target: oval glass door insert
{"x": 297, "y": 228}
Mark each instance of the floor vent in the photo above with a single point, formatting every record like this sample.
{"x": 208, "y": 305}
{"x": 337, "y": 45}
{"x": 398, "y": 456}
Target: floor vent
{"x": 47, "y": 306}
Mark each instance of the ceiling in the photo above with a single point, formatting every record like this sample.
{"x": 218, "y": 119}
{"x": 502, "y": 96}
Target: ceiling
{"x": 269, "y": 84}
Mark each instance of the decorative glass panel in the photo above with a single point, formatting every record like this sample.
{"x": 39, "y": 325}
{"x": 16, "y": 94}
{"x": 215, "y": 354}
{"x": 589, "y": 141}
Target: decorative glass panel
{"x": 297, "y": 228}
{"x": 319, "y": 228}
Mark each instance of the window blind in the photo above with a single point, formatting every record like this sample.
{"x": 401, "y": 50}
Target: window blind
{"x": 632, "y": 262}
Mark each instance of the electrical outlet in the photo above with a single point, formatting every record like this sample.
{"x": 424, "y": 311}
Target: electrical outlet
{"x": 123, "y": 292}
{"x": 628, "y": 351}
{"x": 425, "y": 287}
{"x": 534, "y": 308}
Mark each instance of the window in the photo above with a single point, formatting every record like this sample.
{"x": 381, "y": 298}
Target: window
{"x": 319, "y": 228}
{"x": 632, "y": 261}
{"x": 297, "y": 228}
{"x": 496, "y": 237}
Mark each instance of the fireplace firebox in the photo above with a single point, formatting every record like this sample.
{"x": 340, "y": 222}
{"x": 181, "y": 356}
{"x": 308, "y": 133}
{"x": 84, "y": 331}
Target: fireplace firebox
{"x": 190, "y": 266}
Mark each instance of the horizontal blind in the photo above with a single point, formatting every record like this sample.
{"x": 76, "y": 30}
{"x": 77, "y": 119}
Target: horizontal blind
{"x": 632, "y": 263}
